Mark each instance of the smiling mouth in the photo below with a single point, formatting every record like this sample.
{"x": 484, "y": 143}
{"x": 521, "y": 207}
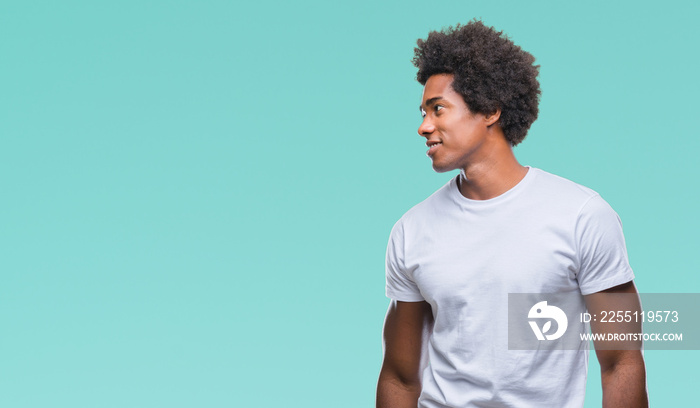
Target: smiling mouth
{"x": 433, "y": 147}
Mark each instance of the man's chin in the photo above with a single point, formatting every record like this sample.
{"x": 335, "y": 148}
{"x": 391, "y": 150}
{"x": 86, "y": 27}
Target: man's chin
{"x": 441, "y": 169}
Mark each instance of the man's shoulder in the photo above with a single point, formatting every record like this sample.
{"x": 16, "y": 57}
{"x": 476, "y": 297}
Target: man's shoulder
{"x": 436, "y": 203}
{"x": 561, "y": 189}
{"x": 558, "y": 195}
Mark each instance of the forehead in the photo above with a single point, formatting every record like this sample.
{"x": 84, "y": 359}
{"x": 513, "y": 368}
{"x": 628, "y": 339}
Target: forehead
{"x": 439, "y": 85}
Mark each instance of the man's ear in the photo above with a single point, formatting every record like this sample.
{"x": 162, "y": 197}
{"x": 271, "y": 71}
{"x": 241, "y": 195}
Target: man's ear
{"x": 492, "y": 118}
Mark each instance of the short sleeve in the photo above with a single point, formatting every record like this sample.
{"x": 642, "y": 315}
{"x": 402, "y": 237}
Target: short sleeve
{"x": 398, "y": 285}
{"x": 603, "y": 261}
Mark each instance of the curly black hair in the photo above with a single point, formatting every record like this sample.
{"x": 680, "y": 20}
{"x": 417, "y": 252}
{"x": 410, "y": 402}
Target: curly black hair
{"x": 490, "y": 72}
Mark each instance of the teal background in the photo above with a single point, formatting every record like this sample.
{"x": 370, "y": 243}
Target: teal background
{"x": 196, "y": 196}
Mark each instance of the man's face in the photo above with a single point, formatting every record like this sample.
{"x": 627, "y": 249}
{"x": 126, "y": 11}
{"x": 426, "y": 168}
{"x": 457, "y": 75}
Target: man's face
{"x": 456, "y": 136}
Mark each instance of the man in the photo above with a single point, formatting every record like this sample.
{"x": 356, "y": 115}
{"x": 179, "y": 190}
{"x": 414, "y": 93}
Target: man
{"x": 496, "y": 228}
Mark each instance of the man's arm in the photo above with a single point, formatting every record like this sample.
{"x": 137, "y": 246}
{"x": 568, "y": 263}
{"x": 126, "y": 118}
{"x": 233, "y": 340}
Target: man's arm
{"x": 622, "y": 371}
{"x": 405, "y": 329}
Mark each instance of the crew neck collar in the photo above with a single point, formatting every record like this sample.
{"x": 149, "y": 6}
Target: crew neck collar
{"x": 516, "y": 189}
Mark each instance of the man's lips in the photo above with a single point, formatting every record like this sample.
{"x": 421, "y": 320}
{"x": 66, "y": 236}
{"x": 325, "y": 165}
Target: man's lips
{"x": 433, "y": 146}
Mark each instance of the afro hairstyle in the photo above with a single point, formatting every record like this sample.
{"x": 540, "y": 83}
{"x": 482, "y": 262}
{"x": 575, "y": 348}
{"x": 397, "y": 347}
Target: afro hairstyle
{"x": 490, "y": 72}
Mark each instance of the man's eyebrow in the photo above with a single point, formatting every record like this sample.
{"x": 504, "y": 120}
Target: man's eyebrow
{"x": 431, "y": 102}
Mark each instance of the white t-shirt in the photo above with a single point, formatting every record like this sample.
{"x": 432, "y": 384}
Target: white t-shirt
{"x": 545, "y": 235}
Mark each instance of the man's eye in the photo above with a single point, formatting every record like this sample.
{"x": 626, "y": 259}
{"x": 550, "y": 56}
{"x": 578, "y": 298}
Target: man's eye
{"x": 438, "y": 108}
{"x": 422, "y": 113}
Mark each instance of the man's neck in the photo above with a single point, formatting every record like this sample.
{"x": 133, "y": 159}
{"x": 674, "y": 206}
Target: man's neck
{"x": 492, "y": 177}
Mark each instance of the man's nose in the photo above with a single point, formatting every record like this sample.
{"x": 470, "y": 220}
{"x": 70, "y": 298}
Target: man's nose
{"x": 426, "y": 128}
